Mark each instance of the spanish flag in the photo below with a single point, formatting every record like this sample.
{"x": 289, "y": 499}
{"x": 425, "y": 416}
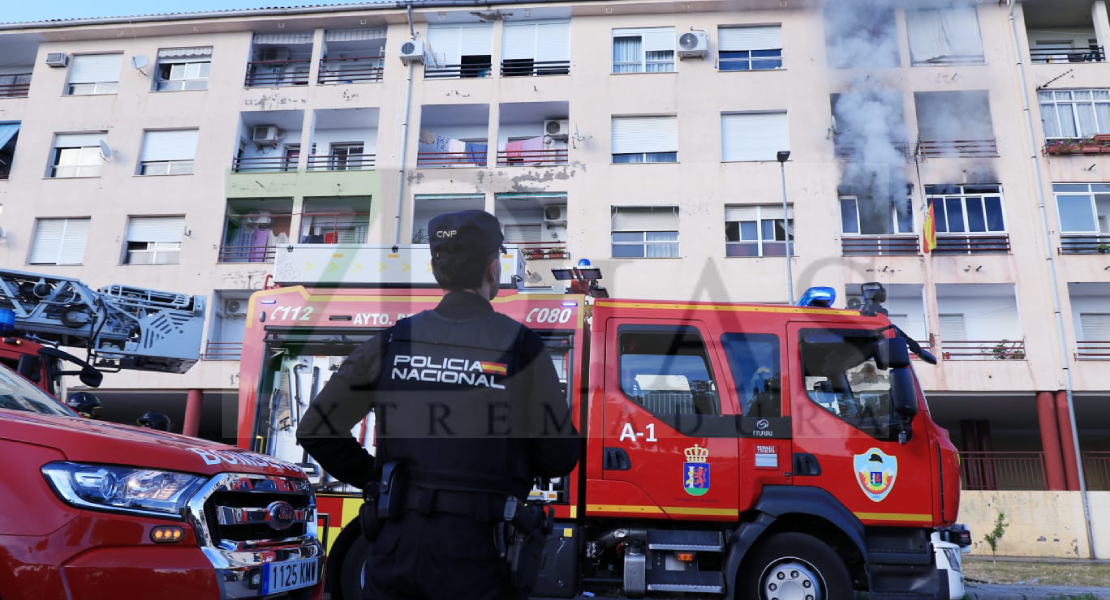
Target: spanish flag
{"x": 929, "y": 231}
{"x": 494, "y": 368}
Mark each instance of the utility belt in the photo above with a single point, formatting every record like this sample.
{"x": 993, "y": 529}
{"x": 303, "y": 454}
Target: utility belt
{"x": 521, "y": 528}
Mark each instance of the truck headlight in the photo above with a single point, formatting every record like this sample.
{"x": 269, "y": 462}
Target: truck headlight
{"x": 126, "y": 489}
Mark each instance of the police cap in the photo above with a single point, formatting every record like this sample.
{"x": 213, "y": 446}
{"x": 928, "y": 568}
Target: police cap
{"x": 473, "y": 233}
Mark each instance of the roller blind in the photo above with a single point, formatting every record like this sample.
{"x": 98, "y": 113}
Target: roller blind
{"x": 95, "y": 68}
{"x": 553, "y": 41}
{"x": 476, "y": 40}
{"x": 78, "y": 140}
{"x": 952, "y": 328}
{"x": 644, "y": 134}
{"x": 753, "y": 136}
{"x": 656, "y": 218}
{"x": 749, "y": 38}
{"x": 59, "y": 241}
{"x": 523, "y": 233}
{"x": 354, "y": 35}
{"x": 774, "y": 211}
{"x": 197, "y": 53}
{"x": 289, "y": 39}
{"x": 938, "y": 35}
{"x": 1095, "y": 326}
{"x": 653, "y": 39}
{"x": 519, "y": 41}
{"x": 155, "y": 229}
{"x": 753, "y": 213}
{"x": 444, "y": 44}
{"x": 169, "y": 145}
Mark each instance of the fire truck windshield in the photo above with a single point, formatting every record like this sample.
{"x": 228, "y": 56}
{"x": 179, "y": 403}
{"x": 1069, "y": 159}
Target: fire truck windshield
{"x": 16, "y": 393}
{"x": 841, "y": 376}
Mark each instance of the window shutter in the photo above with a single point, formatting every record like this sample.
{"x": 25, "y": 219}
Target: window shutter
{"x": 444, "y": 44}
{"x": 477, "y": 40}
{"x": 519, "y": 41}
{"x": 657, "y": 218}
{"x": 741, "y": 213}
{"x": 169, "y": 145}
{"x": 155, "y": 229}
{"x": 753, "y": 136}
{"x": 659, "y": 39}
{"x": 197, "y": 53}
{"x": 48, "y": 240}
{"x": 354, "y": 35}
{"x": 95, "y": 68}
{"x": 553, "y": 41}
{"x": 73, "y": 242}
{"x": 774, "y": 211}
{"x": 291, "y": 39}
{"x": 523, "y": 233}
{"x": 731, "y": 39}
{"x": 78, "y": 140}
{"x": 952, "y": 328}
{"x": 644, "y": 134}
{"x": 1095, "y": 326}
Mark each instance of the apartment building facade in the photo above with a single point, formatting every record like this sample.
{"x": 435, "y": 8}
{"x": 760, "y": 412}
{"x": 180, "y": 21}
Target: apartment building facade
{"x": 183, "y": 151}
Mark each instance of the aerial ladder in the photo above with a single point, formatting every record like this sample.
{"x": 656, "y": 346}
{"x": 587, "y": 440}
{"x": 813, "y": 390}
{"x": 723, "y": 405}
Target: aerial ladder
{"x": 119, "y": 326}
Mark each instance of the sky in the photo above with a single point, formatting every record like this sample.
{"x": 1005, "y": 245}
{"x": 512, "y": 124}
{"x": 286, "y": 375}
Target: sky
{"x": 15, "y": 11}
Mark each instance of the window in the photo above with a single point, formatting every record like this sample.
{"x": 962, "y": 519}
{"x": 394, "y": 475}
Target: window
{"x": 666, "y": 370}
{"x": 749, "y": 48}
{"x": 255, "y": 228}
{"x": 154, "y": 240}
{"x": 645, "y": 232}
{"x": 9, "y": 134}
{"x": 344, "y": 220}
{"x": 1075, "y": 113}
{"x": 1084, "y": 207}
{"x": 944, "y": 36}
{"x": 754, "y": 360}
{"x": 346, "y": 156}
{"x": 460, "y": 51}
{"x": 841, "y": 377}
{"x": 951, "y": 116}
{"x": 649, "y": 50}
{"x": 967, "y": 208}
{"x": 182, "y": 69}
{"x": 856, "y": 39}
{"x": 536, "y": 49}
{"x": 77, "y": 155}
{"x": 14, "y": 85}
{"x": 952, "y": 327}
{"x": 859, "y": 216}
{"x": 757, "y": 230}
{"x": 94, "y": 74}
{"x": 753, "y": 136}
{"x": 645, "y": 139}
{"x": 168, "y": 152}
{"x": 59, "y": 241}
{"x": 1094, "y": 326}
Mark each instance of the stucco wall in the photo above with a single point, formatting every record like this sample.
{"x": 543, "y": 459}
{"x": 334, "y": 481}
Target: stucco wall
{"x": 1041, "y": 524}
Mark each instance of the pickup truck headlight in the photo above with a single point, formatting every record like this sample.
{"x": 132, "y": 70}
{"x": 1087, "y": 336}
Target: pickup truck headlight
{"x": 125, "y": 489}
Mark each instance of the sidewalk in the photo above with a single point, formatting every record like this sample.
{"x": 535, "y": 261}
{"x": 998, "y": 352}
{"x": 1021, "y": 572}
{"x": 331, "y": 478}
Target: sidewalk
{"x": 992, "y": 591}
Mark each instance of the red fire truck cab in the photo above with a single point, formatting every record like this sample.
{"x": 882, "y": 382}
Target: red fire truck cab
{"x": 749, "y": 451}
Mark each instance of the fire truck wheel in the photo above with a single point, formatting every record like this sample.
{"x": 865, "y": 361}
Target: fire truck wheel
{"x": 793, "y": 566}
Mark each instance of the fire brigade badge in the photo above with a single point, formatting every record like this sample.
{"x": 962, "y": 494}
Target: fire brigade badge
{"x": 695, "y": 471}
{"x": 875, "y": 473}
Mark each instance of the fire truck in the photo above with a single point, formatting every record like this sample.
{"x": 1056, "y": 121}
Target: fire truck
{"x": 731, "y": 450}
{"x": 102, "y": 510}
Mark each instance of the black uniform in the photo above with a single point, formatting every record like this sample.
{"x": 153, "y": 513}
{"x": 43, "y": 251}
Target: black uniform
{"x": 469, "y": 400}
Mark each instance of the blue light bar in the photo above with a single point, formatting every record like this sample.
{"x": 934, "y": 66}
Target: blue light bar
{"x": 271, "y": 301}
{"x": 822, "y": 297}
{"x": 570, "y": 304}
{"x": 7, "y": 320}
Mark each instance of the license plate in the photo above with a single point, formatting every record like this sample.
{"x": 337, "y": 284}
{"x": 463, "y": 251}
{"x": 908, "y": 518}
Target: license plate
{"x": 289, "y": 575}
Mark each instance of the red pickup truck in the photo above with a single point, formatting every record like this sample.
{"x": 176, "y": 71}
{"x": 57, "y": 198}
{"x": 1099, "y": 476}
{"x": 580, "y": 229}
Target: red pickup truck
{"x": 94, "y": 510}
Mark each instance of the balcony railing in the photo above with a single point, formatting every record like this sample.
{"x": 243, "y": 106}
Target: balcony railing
{"x": 1097, "y": 144}
{"x": 983, "y": 349}
{"x": 247, "y": 254}
{"x": 14, "y": 90}
{"x": 351, "y": 69}
{"x": 473, "y": 70}
{"x": 1067, "y": 55}
{"x": 1002, "y": 471}
{"x": 957, "y": 148}
{"x": 1092, "y": 350}
{"x": 537, "y": 68}
{"x": 880, "y": 245}
{"x": 263, "y": 164}
{"x": 270, "y": 73}
{"x": 531, "y": 158}
{"x": 541, "y": 250}
{"x": 948, "y": 243}
{"x": 1084, "y": 244}
{"x": 451, "y": 159}
{"x": 340, "y": 162}
{"x": 222, "y": 351}
{"x": 845, "y": 150}
{"x": 334, "y": 227}
{"x": 1096, "y": 466}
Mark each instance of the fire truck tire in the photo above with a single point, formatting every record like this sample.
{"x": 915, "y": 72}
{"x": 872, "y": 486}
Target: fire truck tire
{"x": 345, "y": 563}
{"x": 793, "y": 565}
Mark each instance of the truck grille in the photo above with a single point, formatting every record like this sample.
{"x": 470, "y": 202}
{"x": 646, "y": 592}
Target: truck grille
{"x": 258, "y": 510}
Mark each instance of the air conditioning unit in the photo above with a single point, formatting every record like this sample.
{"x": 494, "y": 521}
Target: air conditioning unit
{"x": 557, "y": 130}
{"x": 555, "y": 215}
{"x": 235, "y": 308}
{"x": 412, "y": 51}
{"x": 694, "y": 44}
{"x": 57, "y": 59}
{"x": 260, "y": 219}
{"x": 266, "y": 135}
{"x": 275, "y": 53}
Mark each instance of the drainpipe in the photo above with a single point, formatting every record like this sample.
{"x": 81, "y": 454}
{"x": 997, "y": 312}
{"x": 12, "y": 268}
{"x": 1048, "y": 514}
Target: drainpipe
{"x": 404, "y": 141}
{"x": 1064, "y": 358}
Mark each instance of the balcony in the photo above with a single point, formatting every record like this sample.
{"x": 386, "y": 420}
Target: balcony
{"x": 15, "y": 86}
{"x": 222, "y": 351}
{"x": 1062, "y": 32}
{"x": 254, "y": 228}
{"x": 1002, "y": 471}
{"x": 1090, "y": 310}
{"x": 1099, "y": 144}
{"x": 983, "y": 350}
{"x": 279, "y": 59}
{"x": 1096, "y": 466}
{"x": 346, "y": 139}
{"x": 948, "y": 243}
{"x": 957, "y": 148}
{"x": 335, "y": 220}
{"x": 534, "y": 68}
{"x": 939, "y": 136}
{"x": 536, "y": 223}
{"x": 533, "y": 134}
{"x": 353, "y": 69}
{"x": 1092, "y": 350}
{"x": 352, "y": 56}
{"x": 340, "y": 162}
{"x": 263, "y": 164}
{"x": 276, "y": 73}
{"x": 1066, "y": 54}
{"x": 542, "y": 250}
{"x": 880, "y": 245}
{"x": 269, "y": 142}
{"x": 453, "y": 136}
{"x": 531, "y": 158}
{"x": 979, "y": 322}
{"x": 263, "y": 253}
{"x": 427, "y": 206}
{"x": 1084, "y": 243}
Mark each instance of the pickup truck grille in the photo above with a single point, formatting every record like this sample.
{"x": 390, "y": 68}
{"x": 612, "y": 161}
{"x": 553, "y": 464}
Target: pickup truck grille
{"x": 257, "y": 510}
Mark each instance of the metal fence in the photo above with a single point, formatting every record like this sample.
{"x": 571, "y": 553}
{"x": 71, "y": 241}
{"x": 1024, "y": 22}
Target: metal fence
{"x": 530, "y": 158}
{"x": 451, "y": 159}
{"x": 1096, "y": 466}
{"x": 1085, "y": 244}
{"x": 250, "y": 254}
{"x": 957, "y": 148}
{"x": 14, "y": 90}
{"x": 1067, "y": 55}
{"x": 340, "y": 162}
{"x": 1092, "y": 350}
{"x": 269, "y": 164}
{"x": 471, "y": 70}
{"x": 983, "y": 349}
{"x": 541, "y": 250}
{"x": 534, "y": 68}
{"x": 948, "y": 243}
{"x": 270, "y": 73}
{"x": 222, "y": 351}
{"x": 1002, "y": 471}
{"x": 880, "y": 245}
{"x": 351, "y": 69}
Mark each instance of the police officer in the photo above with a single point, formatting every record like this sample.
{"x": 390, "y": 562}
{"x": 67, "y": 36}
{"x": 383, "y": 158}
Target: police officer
{"x": 467, "y": 400}
{"x": 84, "y": 404}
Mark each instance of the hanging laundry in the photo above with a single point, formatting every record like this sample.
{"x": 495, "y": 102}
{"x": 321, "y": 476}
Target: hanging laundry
{"x": 443, "y": 143}
{"x": 512, "y": 150}
{"x": 427, "y": 137}
{"x": 532, "y": 150}
{"x": 476, "y": 153}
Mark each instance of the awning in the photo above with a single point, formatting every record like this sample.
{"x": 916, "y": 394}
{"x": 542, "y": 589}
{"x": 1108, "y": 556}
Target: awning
{"x": 185, "y": 52}
{"x": 7, "y": 132}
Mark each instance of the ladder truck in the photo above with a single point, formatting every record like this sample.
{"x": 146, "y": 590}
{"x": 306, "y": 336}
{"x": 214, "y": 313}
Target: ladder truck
{"x": 119, "y": 326}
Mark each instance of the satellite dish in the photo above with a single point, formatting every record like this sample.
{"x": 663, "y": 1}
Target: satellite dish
{"x": 140, "y": 61}
{"x": 105, "y": 150}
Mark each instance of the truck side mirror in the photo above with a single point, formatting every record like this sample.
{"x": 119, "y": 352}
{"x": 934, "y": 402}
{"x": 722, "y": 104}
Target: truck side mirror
{"x": 903, "y": 393}
{"x": 91, "y": 377}
{"x": 892, "y": 353}
{"x": 30, "y": 367}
